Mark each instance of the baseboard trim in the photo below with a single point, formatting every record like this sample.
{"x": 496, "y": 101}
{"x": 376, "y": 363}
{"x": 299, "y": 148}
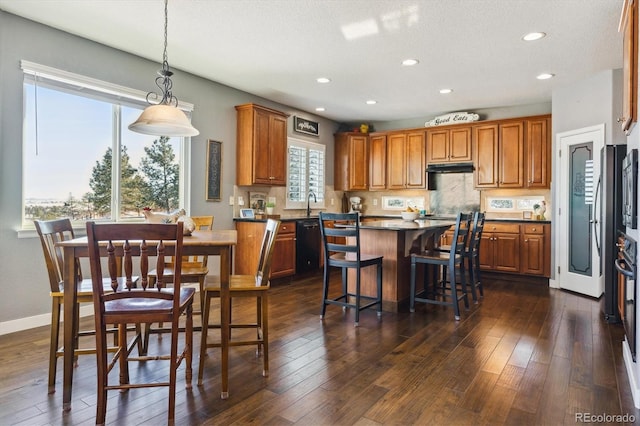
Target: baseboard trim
{"x": 41, "y": 320}
{"x": 631, "y": 369}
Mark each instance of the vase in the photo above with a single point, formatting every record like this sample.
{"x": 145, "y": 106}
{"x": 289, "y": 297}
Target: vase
{"x": 269, "y": 210}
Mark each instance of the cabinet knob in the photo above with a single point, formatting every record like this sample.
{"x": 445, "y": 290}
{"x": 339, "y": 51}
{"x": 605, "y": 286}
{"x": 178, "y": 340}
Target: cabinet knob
{"x": 526, "y": 241}
{"x": 534, "y": 229}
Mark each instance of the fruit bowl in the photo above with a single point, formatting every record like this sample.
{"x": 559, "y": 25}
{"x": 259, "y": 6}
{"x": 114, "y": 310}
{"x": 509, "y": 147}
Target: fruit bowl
{"x": 409, "y": 215}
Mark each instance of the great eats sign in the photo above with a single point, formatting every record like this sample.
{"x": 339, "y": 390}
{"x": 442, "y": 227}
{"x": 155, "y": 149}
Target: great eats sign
{"x": 452, "y": 118}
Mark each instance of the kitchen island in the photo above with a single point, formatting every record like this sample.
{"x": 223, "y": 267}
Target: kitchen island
{"x": 395, "y": 240}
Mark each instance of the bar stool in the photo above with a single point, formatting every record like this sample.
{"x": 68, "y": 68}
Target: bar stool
{"x": 445, "y": 290}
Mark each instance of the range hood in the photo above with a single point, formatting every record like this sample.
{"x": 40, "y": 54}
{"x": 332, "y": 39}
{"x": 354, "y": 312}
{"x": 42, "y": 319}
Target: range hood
{"x": 450, "y": 168}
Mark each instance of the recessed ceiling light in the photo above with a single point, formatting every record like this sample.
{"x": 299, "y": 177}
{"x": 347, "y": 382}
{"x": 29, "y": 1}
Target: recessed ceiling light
{"x": 533, "y": 36}
{"x": 545, "y": 76}
{"x": 320, "y": 109}
{"x": 371, "y": 102}
{"x": 410, "y": 62}
{"x": 445, "y": 91}
{"x": 323, "y": 80}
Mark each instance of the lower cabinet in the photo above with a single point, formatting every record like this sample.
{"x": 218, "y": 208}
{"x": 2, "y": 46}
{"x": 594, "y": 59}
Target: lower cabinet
{"x": 247, "y": 250}
{"x": 521, "y": 248}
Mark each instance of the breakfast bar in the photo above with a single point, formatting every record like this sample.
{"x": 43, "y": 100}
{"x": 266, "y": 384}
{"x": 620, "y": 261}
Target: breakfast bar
{"x": 395, "y": 240}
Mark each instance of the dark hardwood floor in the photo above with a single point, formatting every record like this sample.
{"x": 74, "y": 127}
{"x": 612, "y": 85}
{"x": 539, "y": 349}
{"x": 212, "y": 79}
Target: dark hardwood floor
{"x": 525, "y": 355}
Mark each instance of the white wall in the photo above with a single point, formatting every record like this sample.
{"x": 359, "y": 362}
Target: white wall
{"x": 24, "y": 286}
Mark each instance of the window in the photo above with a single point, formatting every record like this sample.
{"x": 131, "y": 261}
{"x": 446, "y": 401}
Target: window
{"x": 80, "y": 160}
{"x": 305, "y": 174}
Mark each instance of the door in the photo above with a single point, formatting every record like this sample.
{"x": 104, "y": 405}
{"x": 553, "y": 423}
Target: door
{"x": 577, "y": 255}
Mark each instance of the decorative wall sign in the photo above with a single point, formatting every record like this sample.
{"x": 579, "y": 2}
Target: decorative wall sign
{"x": 214, "y": 170}
{"x": 452, "y": 118}
{"x": 302, "y": 125}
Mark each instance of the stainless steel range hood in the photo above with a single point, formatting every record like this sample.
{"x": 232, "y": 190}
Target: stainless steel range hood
{"x": 450, "y": 168}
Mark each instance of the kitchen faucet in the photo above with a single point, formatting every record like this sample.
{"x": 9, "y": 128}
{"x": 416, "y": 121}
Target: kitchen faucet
{"x": 315, "y": 200}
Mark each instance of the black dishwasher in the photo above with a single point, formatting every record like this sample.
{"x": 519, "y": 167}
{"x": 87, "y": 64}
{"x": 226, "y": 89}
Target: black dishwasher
{"x": 307, "y": 245}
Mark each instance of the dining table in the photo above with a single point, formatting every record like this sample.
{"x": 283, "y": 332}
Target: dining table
{"x": 200, "y": 242}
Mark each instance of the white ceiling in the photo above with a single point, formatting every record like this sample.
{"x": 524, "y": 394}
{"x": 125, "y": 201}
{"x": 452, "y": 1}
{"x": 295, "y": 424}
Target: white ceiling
{"x": 277, "y": 48}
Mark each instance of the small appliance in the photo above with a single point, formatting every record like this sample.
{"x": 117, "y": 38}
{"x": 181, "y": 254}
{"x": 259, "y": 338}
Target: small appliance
{"x": 356, "y": 204}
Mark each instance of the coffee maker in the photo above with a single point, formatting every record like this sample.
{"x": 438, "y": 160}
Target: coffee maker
{"x": 356, "y": 204}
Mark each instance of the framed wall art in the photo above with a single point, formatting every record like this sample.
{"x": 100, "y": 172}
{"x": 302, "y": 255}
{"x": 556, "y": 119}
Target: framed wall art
{"x": 214, "y": 170}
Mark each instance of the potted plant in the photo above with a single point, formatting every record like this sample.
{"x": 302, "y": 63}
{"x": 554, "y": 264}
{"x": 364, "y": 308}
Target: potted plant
{"x": 268, "y": 207}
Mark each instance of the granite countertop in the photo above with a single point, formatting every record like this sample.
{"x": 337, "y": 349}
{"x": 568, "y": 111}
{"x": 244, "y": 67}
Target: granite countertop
{"x": 394, "y": 218}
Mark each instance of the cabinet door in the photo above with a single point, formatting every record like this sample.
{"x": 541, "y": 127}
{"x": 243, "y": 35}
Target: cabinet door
{"x": 261, "y": 148}
{"x": 437, "y": 146}
{"x": 378, "y": 162}
{"x": 629, "y": 65}
{"x": 359, "y": 163}
{"x": 506, "y": 252}
{"x": 485, "y": 149}
{"x": 415, "y": 154}
{"x": 460, "y": 145}
{"x": 277, "y": 150}
{"x": 511, "y": 154}
{"x": 396, "y": 164}
{"x": 538, "y": 154}
{"x": 283, "y": 262}
{"x": 247, "y": 248}
{"x": 485, "y": 256}
{"x": 533, "y": 254}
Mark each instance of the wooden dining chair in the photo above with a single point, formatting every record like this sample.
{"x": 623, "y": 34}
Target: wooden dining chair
{"x": 137, "y": 244}
{"x": 241, "y": 286}
{"x": 342, "y": 250}
{"x": 50, "y": 233}
{"x": 444, "y": 289}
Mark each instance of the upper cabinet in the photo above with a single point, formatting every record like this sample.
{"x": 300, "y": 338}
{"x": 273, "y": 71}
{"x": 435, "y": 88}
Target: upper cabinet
{"x": 351, "y": 166}
{"x": 377, "y": 162}
{"x": 629, "y": 28}
{"x": 538, "y": 153}
{"x": 406, "y": 160}
{"x": 261, "y": 150}
{"x": 449, "y": 145}
{"x": 513, "y": 153}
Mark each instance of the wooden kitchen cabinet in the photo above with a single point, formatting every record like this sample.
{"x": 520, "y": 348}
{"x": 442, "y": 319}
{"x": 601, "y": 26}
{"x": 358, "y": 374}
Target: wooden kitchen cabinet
{"x": 283, "y": 263}
{"x": 449, "y": 145}
{"x": 629, "y": 28}
{"x": 378, "y": 161}
{"x": 499, "y": 155}
{"x": 500, "y": 247}
{"x": 538, "y": 153}
{"x": 533, "y": 249}
{"x": 247, "y": 249}
{"x": 261, "y": 148}
{"x": 406, "y": 160}
{"x": 351, "y": 165}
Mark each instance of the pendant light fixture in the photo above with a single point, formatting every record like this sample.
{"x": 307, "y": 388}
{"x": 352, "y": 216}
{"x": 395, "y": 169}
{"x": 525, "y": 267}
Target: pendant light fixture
{"x": 163, "y": 117}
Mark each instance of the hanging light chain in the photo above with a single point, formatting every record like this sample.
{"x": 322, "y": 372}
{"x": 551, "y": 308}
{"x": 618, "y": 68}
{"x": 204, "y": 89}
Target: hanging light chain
{"x": 163, "y": 81}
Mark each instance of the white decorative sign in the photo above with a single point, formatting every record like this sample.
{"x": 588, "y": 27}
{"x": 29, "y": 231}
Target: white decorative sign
{"x": 452, "y": 118}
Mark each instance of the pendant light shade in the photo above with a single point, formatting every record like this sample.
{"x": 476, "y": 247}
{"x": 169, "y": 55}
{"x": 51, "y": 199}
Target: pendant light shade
{"x": 163, "y": 118}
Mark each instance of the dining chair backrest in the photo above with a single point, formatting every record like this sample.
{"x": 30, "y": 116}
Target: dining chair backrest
{"x": 124, "y": 242}
{"x": 343, "y": 238}
{"x": 50, "y": 233}
{"x": 263, "y": 272}
{"x": 476, "y": 233}
{"x": 202, "y": 223}
{"x": 461, "y": 232}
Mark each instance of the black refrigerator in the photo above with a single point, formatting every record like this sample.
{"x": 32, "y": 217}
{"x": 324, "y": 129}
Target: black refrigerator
{"x": 608, "y": 222}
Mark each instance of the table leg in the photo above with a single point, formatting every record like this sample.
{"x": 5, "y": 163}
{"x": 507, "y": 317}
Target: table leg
{"x": 225, "y": 314}
{"x": 70, "y": 299}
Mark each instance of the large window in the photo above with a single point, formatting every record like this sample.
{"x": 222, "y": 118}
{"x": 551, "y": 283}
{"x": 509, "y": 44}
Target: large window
{"x": 305, "y": 177}
{"x": 80, "y": 160}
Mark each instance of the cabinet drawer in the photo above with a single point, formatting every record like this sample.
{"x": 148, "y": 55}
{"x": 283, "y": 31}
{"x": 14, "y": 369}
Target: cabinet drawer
{"x": 287, "y": 228}
{"x": 507, "y": 228}
{"x": 534, "y": 229}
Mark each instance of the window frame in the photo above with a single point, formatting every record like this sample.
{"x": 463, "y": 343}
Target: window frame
{"x": 118, "y": 96}
{"x": 307, "y": 145}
